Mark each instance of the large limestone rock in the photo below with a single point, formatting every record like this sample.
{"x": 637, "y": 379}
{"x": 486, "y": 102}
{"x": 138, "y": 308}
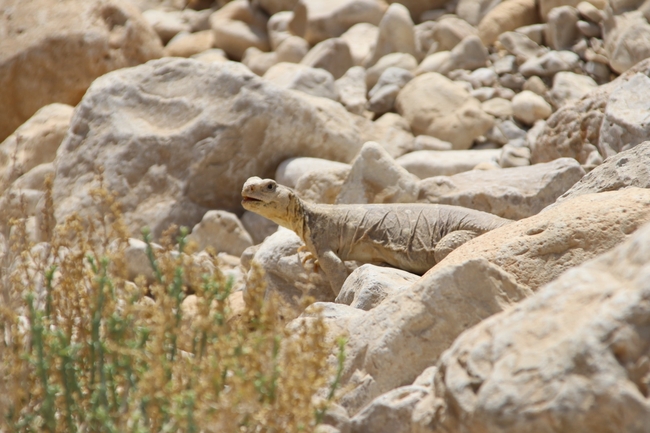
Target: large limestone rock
{"x": 34, "y": 142}
{"x": 96, "y": 37}
{"x": 628, "y": 168}
{"x": 238, "y": 26}
{"x": 292, "y": 169}
{"x": 318, "y": 20}
{"x": 512, "y": 193}
{"x": 190, "y": 147}
{"x": 574, "y": 355}
{"x": 436, "y": 106}
{"x": 391, "y": 344}
{"x": 429, "y": 163}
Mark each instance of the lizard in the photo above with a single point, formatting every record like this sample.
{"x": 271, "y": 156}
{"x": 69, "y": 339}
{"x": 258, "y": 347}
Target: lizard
{"x": 408, "y": 236}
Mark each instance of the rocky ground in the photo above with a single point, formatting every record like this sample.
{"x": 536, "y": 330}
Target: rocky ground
{"x": 533, "y": 110}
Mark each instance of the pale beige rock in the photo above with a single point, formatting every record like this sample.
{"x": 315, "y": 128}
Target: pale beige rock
{"x": 292, "y": 169}
{"x": 397, "y": 60}
{"x": 382, "y": 95}
{"x": 589, "y": 12}
{"x": 332, "y": 54}
{"x": 277, "y": 28}
{"x": 293, "y": 49}
{"x": 512, "y": 193}
{"x": 568, "y": 87}
{"x": 34, "y": 142}
{"x": 222, "y": 231}
{"x": 213, "y": 55}
{"x": 627, "y": 38}
{"x": 473, "y": 11}
{"x": 318, "y": 20}
{"x": 531, "y": 368}
{"x": 418, "y": 7}
{"x": 520, "y": 46}
{"x": 390, "y": 412}
{"x": 437, "y": 106}
{"x": 18, "y": 203}
{"x": 535, "y": 32}
{"x": 561, "y": 30}
{"x": 439, "y": 62}
{"x": 537, "y": 85}
{"x": 181, "y": 139}
{"x": 375, "y": 177}
{"x": 361, "y": 39}
{"x": 393, "y": 132}
{"x": 424, "y": 38}
{"x": 166, "y": 24}
{"x": 322, "y": 186}
{"x": 429, "y": 163}
{"x": 498, "y": 107}
{"x": 238, "y": 26}
{"x": 191, "y": 44}
{"x": 35, "y": 178}
{"x": 96, "y": 36}
{"x": 514, "y": 156}
{"x": 469, "y": 54}
{"x": 545, "y": 6}
{"x": 450, "y": 31}
{"x": 312, "y": 81}
{"x": 550, "y": 63}
{"x": 396, "y": 34}
{"x": 273, "y": 7}
{"x": 259, "y": 61}
{"x": 352, "y": 90}
{"x": 368, "y": 285}
{"x": 507, "y": 16}
{"x": 426, "y": 142}
{"x": 529, "y": 107}
{"x": 257, "y": 226}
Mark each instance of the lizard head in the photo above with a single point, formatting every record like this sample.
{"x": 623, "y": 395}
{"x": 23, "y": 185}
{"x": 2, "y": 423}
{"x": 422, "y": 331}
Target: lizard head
{"x": 267, "y": 198}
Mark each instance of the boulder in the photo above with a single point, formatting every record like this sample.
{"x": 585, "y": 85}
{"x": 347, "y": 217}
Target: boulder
{"x": 96, "y": 36}
{"x": 277, "y": 27}
{"x": 429, "y": 163}
{"x": 396, "y": 34}
{"x": 507, "y": 16}
{"x": 213, "y": 55}
{"x": 258, "y": 61}
{"x": 311, "y": 81}
{"x": 368, "y": 285}
{"x": 550, "y": 64}
{"x": 222, "y": 231}
{"x": 427, "y": 142}
{"x": 361, "y": 39}
{"x": 512, "y": 193}
{"x": 436, "y": 106}
{"x": 627, "y": 39}
{"x": 625, "y": 169}
{"x": 383, "y": 94}
{"x": 450, "y": 30}
{"x": 257, "y": 226}
{"x": 498, "y": 107}
{"x": 190, "y": 147}
{"x": 473, "y": 11}
{"x": 318, "y": 20}
{"x": 393, "y": 132}
{"x": 322, "y": 186}
{"x": 390, "y": 412}
{"x": 375, "y": 177}
{"x": 34, "y": 142}
{"x": 238, "y": 26}
{"x": 352, "y": 90}
{"x": 292, "y": 169}
{"x": 332, "y": 54}
{"x": 394, "y": 60}
{"x": 562, "y": 29}
{"x": 521, "y": 46}
{"x": 166, "y": 24}
{"x": 569, "y": 87}
{"x": 190, "y": 44}
{"x": 292, "y": 49}
{"x": 529, "y": 107}
{"x": 573, "y": 355}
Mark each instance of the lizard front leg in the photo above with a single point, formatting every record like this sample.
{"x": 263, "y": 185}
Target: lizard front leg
{"x": 450, "y": 242}
{"x": 307, "y": 257}
{"x": 334, "y": 269}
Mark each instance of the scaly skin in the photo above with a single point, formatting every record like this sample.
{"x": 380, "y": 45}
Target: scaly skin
{"x": 409, "y": 236}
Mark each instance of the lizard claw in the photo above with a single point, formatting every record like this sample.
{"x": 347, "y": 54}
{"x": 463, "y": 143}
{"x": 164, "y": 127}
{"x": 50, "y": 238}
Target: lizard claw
{"x": 307, "y": 257}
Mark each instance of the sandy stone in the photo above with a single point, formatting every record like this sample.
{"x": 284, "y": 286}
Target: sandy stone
{"x": 529, "y": 107}
{"x": 507, "y": 16}
{"x": 222, "y": 231}
{"x": 312, "y": 81}
{"x": 190, "y": 44}
{"x": 361, "y": 39}
{"x": 352, "y": 90}
{"x": 429, "y": 163}
{"x": 333, "y": 55}
{"x": 562, "y": 29}
{"x": 396, "y": 34}
{"x": 292, "y": 169}
{"x": 239, "y": 26}
{"x": 397, "y": 60}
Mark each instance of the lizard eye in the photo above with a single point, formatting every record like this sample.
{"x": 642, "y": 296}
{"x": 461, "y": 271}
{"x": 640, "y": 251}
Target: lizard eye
{"x": 269, "y": 186}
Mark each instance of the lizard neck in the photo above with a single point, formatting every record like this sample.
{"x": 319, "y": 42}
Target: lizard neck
{"x": 296, "y": 216}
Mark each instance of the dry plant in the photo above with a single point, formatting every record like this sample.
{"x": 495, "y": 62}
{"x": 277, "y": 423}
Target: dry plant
{"x": 84, "y": 350}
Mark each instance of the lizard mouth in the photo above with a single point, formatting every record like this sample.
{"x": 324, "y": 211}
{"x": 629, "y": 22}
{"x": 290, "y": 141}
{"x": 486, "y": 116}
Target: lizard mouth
{"x": 247, "y": 199}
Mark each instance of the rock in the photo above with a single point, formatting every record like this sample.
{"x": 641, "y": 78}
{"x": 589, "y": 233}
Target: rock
{"x": 390, "y": 412}
{"x": 425, "y": 38}
{"x": 332, "y": 54}
{"x": 507, "y": 16}
{"x": 450, "y": 31}
{"x": 238, "y": 26}
{"x": 562, "y": 30}
{"x": 397, "y": 60}
{"x": 429, "y": 163}
{"x": 292, "y": 169}
{"x": 322, "y": 186}
{"x": 623, "y": 170}
{"x": 96, "y": 36}
{"x": 258, "y": 61}
{"x": 625, "y": 122}
{"x": 504, "y": 132}
{"x": 589, "y": 30}
{"x": 368, "y": 285}
{"x": 396, "y": 34}
{"x": 257, "y": 226}
{"x": 383, "y": 94}
{"x": 520, "y": 46}
{"x": 214, "y": 55}
{"x": 312, "y": 81}
{"x": 529, "y": 107}
{"x": 273, "y": 7}
{"x": 512, "y": 193}
{"x": 514, "y": 156}
{"x": 560, "y": 136}
{"x": 393, "y": 132}
{"x": 34, "y": 142}
{"x": 190, "y": 44}
{"x": 427, "y": 142}
{"x": 550, "y": 64}
{"x": 535, "y": 32}
{"x": 286, "y": 275}
{"x": 469, "y": 54}
{"x": 514, "y": 82}
{"x": 222, "y": 231}
{"x": 35, "y": 178}
{"x": 181, "y": 139}
{"x": 627, "y": 39}
{"x": 506, "y": 64}
{"x": 530, "y": 368}
{"x": 545, "y": 6}
{"x": 436, "y": 106}
{"x": 277, "y": 27}
{"x": 352, "y": 90}
{"x": 376, "y": 178}
{"x": 568, "y": 87}
{"x": 136, "y": 260}
{"x": 473, "y": 11}
{"x": 590, "y": 12}
{"x": 166, "y": 24}
{"x": 316, "y": 21}
{"x": 538, "y": 87}
{"x": 293, "y": 49}
{"x": 361, "y": 39}
{"x": 420, "y": 7}
{"x": 439, "y": 62}
{"x": 498, "y": 107}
